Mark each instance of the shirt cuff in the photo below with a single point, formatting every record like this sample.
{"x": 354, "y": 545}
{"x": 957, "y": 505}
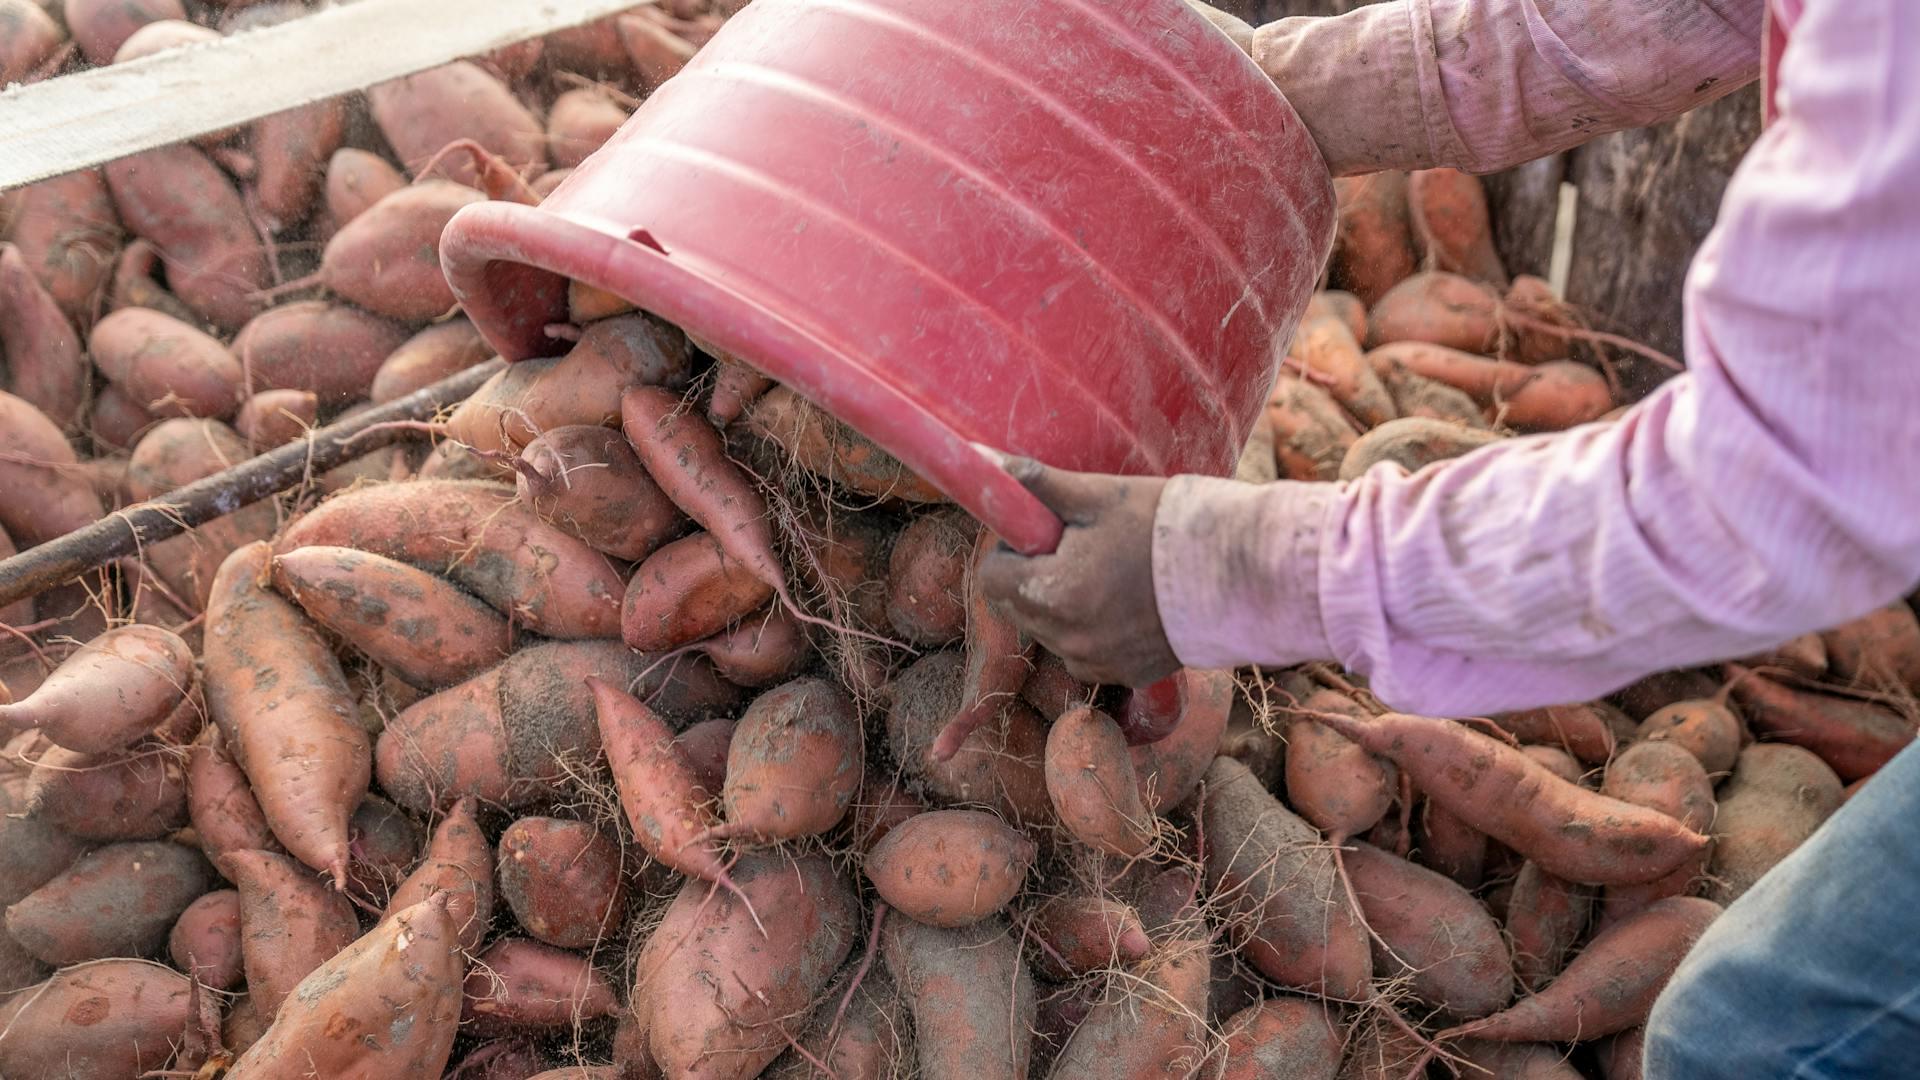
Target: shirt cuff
{"x": 1356, "y": 80}
{"x": 1236, "y": 570}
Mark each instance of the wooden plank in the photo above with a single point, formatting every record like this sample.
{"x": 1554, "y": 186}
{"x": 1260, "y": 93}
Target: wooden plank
{"x": 93, "y": 117}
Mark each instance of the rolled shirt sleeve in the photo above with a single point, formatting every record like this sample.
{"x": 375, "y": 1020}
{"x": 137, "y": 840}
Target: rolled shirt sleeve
{"x": 1768, "y": 492}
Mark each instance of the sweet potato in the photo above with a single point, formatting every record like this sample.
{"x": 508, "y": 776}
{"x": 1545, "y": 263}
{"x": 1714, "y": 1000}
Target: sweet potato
{"x": 226, "y": 817}
{"x": 1373, "y": 248}
{"x": 36, "y": 854}
{"x": 1561, "y": 394}
{"x": 926, "y": 578}
{"x": 117, "y": 900}
{"x": 46, "y": 495}
{"x": 704, "y": 748}
{"x": 1325, "y": 351}
{"x": 172, "y": 455}
{"x": 421, "y": 113}
{"x": 135, "y": 285}
{"x": 656, "y": 53}
{"x": 1663, "y": 776}
{"x": 331, "y": 349}
{"x": 356, "y": 179}
{"x": 761, "y": 650}
{"x": 1878, "y": 651}
{"x": 668, "y": 807}
{"x": 1412, "y": 443}
{"x": 292, "y": 149}
{"x": 110, "y": 693}
{"x": 458, "y": 868}
{"x": 387, "y": 1006}
{"x": 1152, "y": 1025}
{"x": 1558, "y": 762}
{"x": 1330, "y": 781}
{"x": 179, "y": 199}
{"x": 1804, "y": 656}
{"x": 1450, "y": 224}
{"x": 100, "y": 26}
{"x": 291, "y": 922}
{"x": 157, "y": 37}
{"x": 277, "y": 692}
{"x": 844, "y": 560}
{"x": 509, "y": 1058}
{"x": 116, "y": 421}
{"x": 1341, "y": 305}
{"x": 1571, "y": 832}
{"x": 1051, "y": 689}
{"x": 1778, "y": 795}
{"x": 1283, "y": 1037}
{"x": 477, "y": 535}
{"x": 1516, "y": 1061}
{"x": 1544, "y": 918}
{"x": 167, "y": 367}
{"x": 1079, "y": 934}
{"x": 434, "y": 353}
{"x": 578, "y": 122}
{"x": 205, "y": 941}
{"x": 1000, "y": 766}
{"x": 1622, "y": 1056}
{"x": 1611, "y": 985}
{"x": 1431, "y": 932}
{"x": 111, "y": 1018}
{"x": 971, "y": 996}
{"x": 382, "y": 845}
{"x": 41, "y": 349}
{"x": 417, "y": 625}
{"x": 1169, "y": 768}
{"x": 736, "y": 385}
{"x": 1417, "y": 396}
{"x": 997, "y": 656}
{"x": 882, "y": 805}
{"x": 28, "y": 38}
{"x": 1091, "y": 781}
{"x": 1438, "y": 308}
{"x": 950, "y": 867}
{"x": 794, "y": 763}
{"x": 868, "y": 1041}
{"x": 1311, "y": 432}
{"x": 274, "y": 418}
{"x": 1854, "y": 737}
{"x": 521, "y": 985}
{"x": 137, "y": 794}
{"x": 688, "y": 590}
{"x": 1703, "y": 727}
{"x": 562, "y": 880}
{"x": 1278, "y": 884}
{"x": 68, "y": 233}
{"x": 387, "y": 259}
{"x": 593, "y": 486}
{"x": 1381, "y": 1050}
{"x": 810, "y": 916}
{"x": 1586, "y": 731}
{"x": 815, "y": 440}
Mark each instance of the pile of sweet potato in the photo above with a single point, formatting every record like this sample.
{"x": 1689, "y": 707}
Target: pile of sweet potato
{"x": 645, "y": 722}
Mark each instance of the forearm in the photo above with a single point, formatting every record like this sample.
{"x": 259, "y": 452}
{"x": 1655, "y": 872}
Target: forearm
{"x": 1767, "y": 493}
{"x": 1484, "y": 84}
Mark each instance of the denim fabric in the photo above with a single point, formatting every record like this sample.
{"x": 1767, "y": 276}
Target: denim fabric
{"x": 1814, "y": 974}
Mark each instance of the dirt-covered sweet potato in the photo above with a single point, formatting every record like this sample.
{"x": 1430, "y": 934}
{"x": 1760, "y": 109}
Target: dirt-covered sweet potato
{"x": 110, "y": 1018}
{"x": 521, "y": 985}
{"x": 421, "y": 113}
{"x": 793, "y": 764}
{"x": 1283, "y": 1037}
{"x": 135, "y": 794}
{"x": 205, "y": 940}
{"x": 458, "y": 868}
{"x": 1091, "y": 782}
{"x": 387, "y": 259}
{"x": 950, "y": 867}
{"x": 1775, "y": 799}
{"x": 175, "y": 453}
{"x": 109, "y": 693}
{"x": 1431, "y": 932}
{"x": 292, "y": 921}
{"x": 1000, "y": 765}
{"x": 437, "y": 351}
{"x": 68, "y": 232}
{"x": 44, "y": 364}
{"x": 971, "y": 997}
{"x": 117, "y": 900}
{"x": 587, "y": 480}
{"x": 331, "y": 349}
{"x": 46, "y": 495}
{"x": 274, "y": 418}
{"x": 562, "y": 880}
{"x": 179, "y": 199}
{"x": 578, "y": 122}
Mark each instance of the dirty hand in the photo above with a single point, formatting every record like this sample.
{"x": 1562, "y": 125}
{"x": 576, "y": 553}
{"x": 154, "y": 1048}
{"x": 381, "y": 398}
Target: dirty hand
{"x": 1091, "y": 602}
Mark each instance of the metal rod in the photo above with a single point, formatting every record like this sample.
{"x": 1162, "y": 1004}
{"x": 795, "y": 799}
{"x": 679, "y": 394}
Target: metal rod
{"x": 125, "y": 531}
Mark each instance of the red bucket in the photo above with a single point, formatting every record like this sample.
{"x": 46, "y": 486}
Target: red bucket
{"x": 1079, "y": 230}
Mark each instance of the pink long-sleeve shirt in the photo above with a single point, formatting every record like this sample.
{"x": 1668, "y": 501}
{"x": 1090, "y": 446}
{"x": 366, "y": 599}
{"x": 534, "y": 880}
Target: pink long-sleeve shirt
{"x": 1772, "y": 490}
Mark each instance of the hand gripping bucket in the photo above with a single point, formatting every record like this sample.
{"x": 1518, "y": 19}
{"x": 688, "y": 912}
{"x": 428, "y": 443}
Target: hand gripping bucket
{"x": 1078, "y": 230}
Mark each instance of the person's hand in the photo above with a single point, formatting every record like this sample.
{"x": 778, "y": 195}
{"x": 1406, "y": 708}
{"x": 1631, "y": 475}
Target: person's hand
{"x": 1091, "y": 602}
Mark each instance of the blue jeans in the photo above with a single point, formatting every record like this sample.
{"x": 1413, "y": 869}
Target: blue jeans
{"x": 1814, "y": 974}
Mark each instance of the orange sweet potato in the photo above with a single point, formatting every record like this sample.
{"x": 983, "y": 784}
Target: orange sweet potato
{"x": 1052, "y": 689}
{"x": 950, "y": 867}
{"x": 434, "y": 353}
{"x": 1000, "y": 766}
{"x": 291, "y": 923}
{"x": 1516, "y": 1061}
{"x": 274, "y": 418}
{"x": 68, "y": 233}
{"x": 117, "y": 900}
{"x": 135, "y": 285}
{"x": 1855, "y": 737}
{"x": 478, "y": 536}
{"x": 815, "y": 440}
{"x": 578, "y": 122}
{"x": 1373, "y": 249}
{"x": 100, "y": 26}
{"x": 688, "y": 590}
{"x": 173, "y": 454}
{"x": 1091, "y": 781}
{"x": 810, "y": 916}
{"x": 971, "y": 996}
{"x": 1451, "y": 226}
{"x": 1155, "y": 1025}
{"x": 1703, "y": 727}
{"x": 46, "y": 494}
{"x": 1778, "y": 795}
{"x": 1544, "y": 919}
{"x": 593, "y": 486}
{"x": 356, "y": 179}
{"x": 794, "y": 763}
{"x": 1279, "y": 883}
{"x": 1611, "y": 985}
{"x": 562, "y": 880}
{"x": 1330, "y": 781}
{"x": 28, "y": 38}
{"x": 386, "y": 1006}
{"x": 110, "y": 693}
{"x": 387, "y": 259}
{"x": 136, "y": 794}
{"x": 166, "y": 366}
{"x": 1080, "y": 934}
{"x": 761, "y": 650}
{"x": 1170, "y": 768}
{"x": 926, "y": 576}
{"x": 419, "y": 626}
{"x": 205, "y": 940}
{"x": 421, "y": 113}
{"x": 113, "y": 1018}
{"x": 116, "y": 421}
{"x": 1311, "y": 432}
{"x": 1431, "y": 932}
{"x": 879, "y": 809}
{"x": 279, "y": 696}
{"x": 382, "y": 844}
{"x": 1663, "y": 776}
{"x": 1878, "y": 651}
{"x": 522, "y": 985}
{"x": 1585, "y": 731}
{"x": 1561, "y": 394}
{"x": 866, "y": 1041}
{"x": 458, "y": 870}
{"x": 40, "y": 347}
{"x": 1439, "y": 308}
{"x": 226, "y": 817}
{"x": 1283, "y": 1037}
{"x": 1324, "y": 351}
{"x": 179, "y": 199}
{"x": 331, "y": 349}
{"x": 292, "y": 149}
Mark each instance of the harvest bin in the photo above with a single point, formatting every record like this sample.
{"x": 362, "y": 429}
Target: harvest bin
{"x": 1082, "y": 232}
